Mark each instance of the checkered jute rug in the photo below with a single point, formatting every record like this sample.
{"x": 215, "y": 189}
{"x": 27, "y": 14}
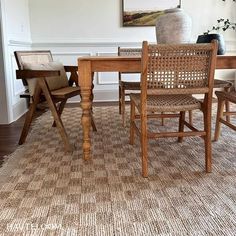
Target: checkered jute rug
{"x": 45, "y": 191}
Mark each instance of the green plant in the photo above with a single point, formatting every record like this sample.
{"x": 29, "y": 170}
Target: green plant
{"x": 223, "y": 24}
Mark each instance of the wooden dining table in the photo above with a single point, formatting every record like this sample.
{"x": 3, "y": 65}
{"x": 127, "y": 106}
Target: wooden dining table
{"x": 88, "y": 65}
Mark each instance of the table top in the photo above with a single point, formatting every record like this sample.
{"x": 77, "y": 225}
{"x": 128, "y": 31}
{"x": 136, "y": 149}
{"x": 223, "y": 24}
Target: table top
{"x": 222, "y": 62}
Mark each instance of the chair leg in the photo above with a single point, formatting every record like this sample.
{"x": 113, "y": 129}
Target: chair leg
{"x": 144, "y": 145}
{"x": 60, "y": 110}
{"x": 132, "y": 119}
{"x": 207, "y": 138}
{"x": 93, "y": 124}
{"x": 120, "y": 100}
{"x": 190, "y": 116}
{"x": 123, "y": 105}
{"x": 219, "y": 116}
{"x": 227, "y": 105}
{"x": 29, "y": 115}
{"x": 92, "y": 96}
{"x": 162, "y": 120}
{"x": 181, "y": 125}
{"x": 55, "y": 114}
{"x": 227, "y": 109}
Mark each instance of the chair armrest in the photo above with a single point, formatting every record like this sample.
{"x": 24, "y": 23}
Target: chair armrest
{"x": 71, "y": 68}
{"x": 28, "y": 74}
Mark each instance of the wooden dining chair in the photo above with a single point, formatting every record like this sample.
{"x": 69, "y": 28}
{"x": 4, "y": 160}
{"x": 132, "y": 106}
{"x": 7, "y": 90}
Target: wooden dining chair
{"x": 46, "y": 80}
{"x": 224, "y": 99}
{"x": 170, "y": 75}
{"x": 126, "y": 86}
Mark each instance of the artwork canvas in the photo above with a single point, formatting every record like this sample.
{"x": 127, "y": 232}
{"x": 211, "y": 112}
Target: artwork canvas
{"x": 145, "y": 12}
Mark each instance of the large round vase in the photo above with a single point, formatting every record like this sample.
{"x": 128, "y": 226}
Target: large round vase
{"x": 207, "y": 38}
{"x": 174, "y": 26}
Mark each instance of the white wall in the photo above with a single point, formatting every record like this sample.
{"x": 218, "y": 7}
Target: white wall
{"x": 204, "y": 14}
{"x": 82, "y": 21}
{"x": 3, "y": 94}
{"x": 16, "y": 35}
{"x": 86, "y": 21}
{"x": 17, "y": 20}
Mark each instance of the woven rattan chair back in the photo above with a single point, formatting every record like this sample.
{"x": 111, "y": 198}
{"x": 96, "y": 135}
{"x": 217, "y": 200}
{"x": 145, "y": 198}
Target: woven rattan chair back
{"x": 34, "y": 57}
{"x": 129, "y": 51}
{"x": 177, "y": 68}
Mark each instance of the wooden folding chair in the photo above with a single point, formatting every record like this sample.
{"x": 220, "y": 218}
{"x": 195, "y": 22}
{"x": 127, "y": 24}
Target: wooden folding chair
{"x": 46, "y": 81}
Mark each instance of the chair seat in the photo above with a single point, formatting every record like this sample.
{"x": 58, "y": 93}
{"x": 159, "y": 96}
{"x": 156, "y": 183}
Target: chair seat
{"x": 66, "y": 92}
{"x": 131, "y": 85}
{"x": 168, "y": 103}
{"x": 218, "y": 83}
{"x": 230, "y": 96}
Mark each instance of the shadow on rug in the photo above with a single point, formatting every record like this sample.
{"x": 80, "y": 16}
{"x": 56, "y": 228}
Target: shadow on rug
{"x": 45, "y": 191}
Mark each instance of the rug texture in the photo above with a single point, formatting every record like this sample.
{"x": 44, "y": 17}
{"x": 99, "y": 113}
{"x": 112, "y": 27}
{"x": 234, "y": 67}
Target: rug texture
{"x": 45, "y": 191}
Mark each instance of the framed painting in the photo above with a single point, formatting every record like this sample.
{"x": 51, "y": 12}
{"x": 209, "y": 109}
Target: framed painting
{"x": 145, "y": 12}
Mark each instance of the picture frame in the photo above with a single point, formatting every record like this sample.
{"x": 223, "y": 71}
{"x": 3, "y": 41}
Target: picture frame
{"x": 145, "y": 13}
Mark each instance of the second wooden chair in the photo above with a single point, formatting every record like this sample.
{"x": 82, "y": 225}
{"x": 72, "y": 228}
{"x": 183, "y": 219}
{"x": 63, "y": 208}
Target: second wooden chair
{"x": 170, "y": 75}
{"x": 126, "y": 86}
{"x": 224, "y": 98}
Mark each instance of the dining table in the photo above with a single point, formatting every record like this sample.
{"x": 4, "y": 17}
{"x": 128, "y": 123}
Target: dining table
{"x": 88, "y": 65}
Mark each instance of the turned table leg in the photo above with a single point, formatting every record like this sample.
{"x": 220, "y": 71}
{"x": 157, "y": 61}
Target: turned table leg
{"x": 85, "y": 83}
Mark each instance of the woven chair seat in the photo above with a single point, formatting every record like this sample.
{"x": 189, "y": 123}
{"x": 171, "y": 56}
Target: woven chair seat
{"x": 231, "y": 96}
{"x": 168, "y": 103}
{"x": 222, "y": 83}
{"x": 130, "y": 85}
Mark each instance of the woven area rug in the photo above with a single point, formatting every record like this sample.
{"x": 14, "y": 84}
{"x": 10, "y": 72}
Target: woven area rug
{"x": 45, "y": 191}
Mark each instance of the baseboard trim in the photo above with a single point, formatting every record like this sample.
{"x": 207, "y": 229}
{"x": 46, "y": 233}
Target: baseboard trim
{"x": 100, "y": 96}
{"x": 19, "y": 109}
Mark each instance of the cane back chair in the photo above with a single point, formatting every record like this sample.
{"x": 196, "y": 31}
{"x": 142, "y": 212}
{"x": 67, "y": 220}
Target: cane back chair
{"x": 126, "y": 86}
{"x": 224, "y": 98}
{"x": 170, "y": 75}
{"x": 46, "y": 80}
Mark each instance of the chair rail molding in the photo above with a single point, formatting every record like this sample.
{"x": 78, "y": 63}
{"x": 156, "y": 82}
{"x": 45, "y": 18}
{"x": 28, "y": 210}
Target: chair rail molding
{"x": 96, "y": 42}
{"x": 19, "y": 43}
{"x": 99, "y": 42}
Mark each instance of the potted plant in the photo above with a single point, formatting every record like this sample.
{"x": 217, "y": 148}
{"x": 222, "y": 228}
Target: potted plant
{"x": 222, "y": 24}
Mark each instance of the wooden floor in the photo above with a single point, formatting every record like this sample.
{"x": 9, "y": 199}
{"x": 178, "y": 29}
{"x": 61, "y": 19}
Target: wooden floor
{"x": 10, "y": 134}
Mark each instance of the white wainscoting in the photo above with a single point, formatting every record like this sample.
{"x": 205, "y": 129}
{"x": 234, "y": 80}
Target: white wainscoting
{"x": 18, "y": 105}
{"x": 105, "y": 83}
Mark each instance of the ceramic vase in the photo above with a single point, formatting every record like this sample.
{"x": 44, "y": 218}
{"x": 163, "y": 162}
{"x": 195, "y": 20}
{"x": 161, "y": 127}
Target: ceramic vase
{"x": 174, "y": 26}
